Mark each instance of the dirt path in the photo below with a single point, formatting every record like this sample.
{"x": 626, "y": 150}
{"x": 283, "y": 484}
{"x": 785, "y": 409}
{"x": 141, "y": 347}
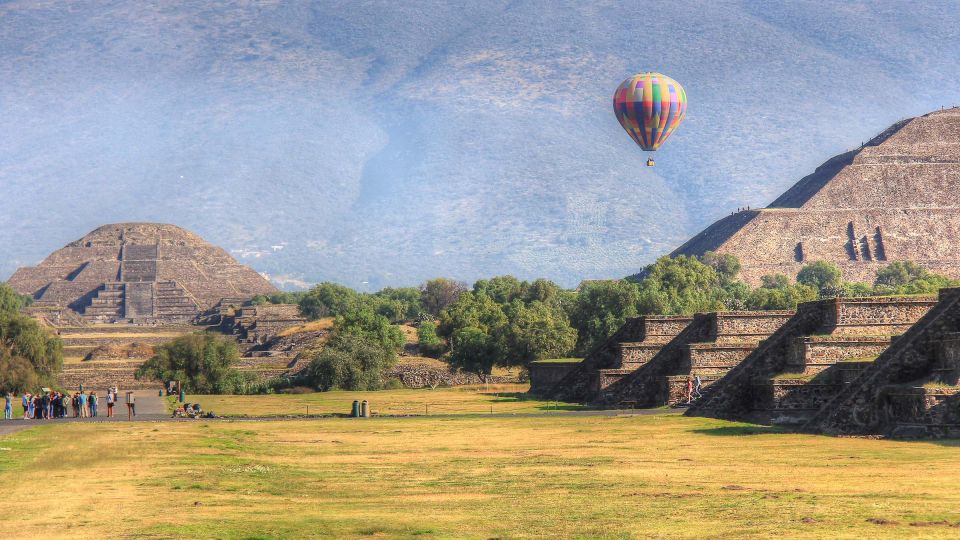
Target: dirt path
{"x": 151, "y": 408}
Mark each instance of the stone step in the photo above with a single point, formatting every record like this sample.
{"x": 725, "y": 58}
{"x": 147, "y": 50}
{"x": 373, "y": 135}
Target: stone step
{"x": 715, "y": 358}
{"x": 634, "y": 355}
{"x": 813, "y": 354}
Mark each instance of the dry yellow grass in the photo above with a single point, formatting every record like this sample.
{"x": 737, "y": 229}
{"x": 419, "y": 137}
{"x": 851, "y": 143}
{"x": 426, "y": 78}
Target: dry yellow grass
{"x": 528, "y": 477}
{"x": 479, "y": 399}
{"x": 312, "y": 326}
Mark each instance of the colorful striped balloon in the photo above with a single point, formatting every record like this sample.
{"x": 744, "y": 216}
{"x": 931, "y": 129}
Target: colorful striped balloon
{"x": 649, "y": 106}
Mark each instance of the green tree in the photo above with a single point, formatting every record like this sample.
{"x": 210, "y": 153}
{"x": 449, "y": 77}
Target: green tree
{"x": 11, "y": 301}
{"x": 777, "y": 292}
{"x": 437, "y": 294}
{"x": 399, "y": 304}
{"x": 727, "y": 266}
{"x": 475, "y": 351}
{"x": 820, "y": 275}
{"x": 352, "y": 362}
{"x": 428, "y": 341}
{"x": 501, "y": 289}
{"x": 900, "y": 273}
{"x": 202, "y": 362}
{"x": 16, "y": 373}
{"x": 536, "y": 331}
{"x": 774, "y": 281}
{"x": 600, "y": 309}
{"x": 370, "y": 327}
{"x": 471, "y": 311}
{"x": 328, "y": 300}
{"x": 680, "y": 286}
{"x": 23, "y": 337}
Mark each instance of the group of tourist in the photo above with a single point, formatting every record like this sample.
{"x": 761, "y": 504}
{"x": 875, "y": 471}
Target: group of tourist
{"x": 51, "y": 404}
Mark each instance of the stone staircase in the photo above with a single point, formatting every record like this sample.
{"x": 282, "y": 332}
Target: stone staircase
{"x": 630, "y": 347}
{"x": 811, "y": 359}
{"x": 711, "y": 345}
{"x": 911, "y": 389}
{"x": 107, "y": 304}
{"x": 173, "y": 302}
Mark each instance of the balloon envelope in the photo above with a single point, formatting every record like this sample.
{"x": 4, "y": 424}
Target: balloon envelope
{"x": 649, "y": 106}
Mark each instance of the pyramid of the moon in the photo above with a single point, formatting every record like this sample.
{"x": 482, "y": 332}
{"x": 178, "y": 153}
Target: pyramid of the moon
{"x": 897, "y": 198}
{"x": 138, "y": 272}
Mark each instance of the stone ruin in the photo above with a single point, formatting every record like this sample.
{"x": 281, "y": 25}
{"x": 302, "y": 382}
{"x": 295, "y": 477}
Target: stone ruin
{"x": 140, "y": 273}
{"x": 860, "y": 366}
{"x": 893, "y": 199}
{"x": 885, "y": 365}
{"x": 812, "y": 358}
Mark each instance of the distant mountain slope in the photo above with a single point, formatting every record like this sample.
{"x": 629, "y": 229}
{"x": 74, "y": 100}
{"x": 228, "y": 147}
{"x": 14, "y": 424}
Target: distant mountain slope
{"x": 379, "y": 143}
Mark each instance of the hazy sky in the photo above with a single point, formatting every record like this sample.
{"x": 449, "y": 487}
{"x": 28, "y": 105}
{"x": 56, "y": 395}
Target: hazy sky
{"x": 382, "y": 143}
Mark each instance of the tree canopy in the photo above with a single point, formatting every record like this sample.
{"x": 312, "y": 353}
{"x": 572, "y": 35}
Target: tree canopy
{"x": 203, "y": 362}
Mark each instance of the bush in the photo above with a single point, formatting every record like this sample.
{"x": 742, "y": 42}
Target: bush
{"x": 202, "y": 362}
{"x": 428, "y": 341}
{"x": 820, "y": 275}
{"x": 352, "y": 362}
{"x": 29, "y": 355}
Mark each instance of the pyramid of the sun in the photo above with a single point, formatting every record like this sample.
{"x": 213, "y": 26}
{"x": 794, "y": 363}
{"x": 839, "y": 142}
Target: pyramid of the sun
{"x": 894, "y": 199}
{"x": 138, "y": 272}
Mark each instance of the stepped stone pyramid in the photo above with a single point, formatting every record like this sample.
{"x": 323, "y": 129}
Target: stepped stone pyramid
{"x": 894, "y": 199}
{"x": 138, "y": 272}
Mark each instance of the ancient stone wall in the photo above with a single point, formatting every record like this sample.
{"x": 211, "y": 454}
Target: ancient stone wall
{"x": 919, "y": 357}
{"x": 716, "y": 343}
{"x": 583, "y": 383}
{"x": 544, "y": 375}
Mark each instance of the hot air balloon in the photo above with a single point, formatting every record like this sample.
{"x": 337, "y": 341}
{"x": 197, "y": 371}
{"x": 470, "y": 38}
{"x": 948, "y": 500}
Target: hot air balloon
{"x": 649, "y": 106}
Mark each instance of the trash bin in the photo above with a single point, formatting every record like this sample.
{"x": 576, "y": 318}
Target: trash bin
{"x": 355, "y": 412}
{"x": 365, "y": 409}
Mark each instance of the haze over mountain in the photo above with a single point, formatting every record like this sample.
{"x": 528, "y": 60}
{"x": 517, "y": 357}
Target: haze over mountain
{"x": 383, "y": 143}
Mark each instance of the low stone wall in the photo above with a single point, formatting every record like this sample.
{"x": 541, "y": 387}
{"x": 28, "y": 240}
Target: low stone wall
{"x": 423, "y": 375}
{"x": 713, "y": 358}
{"x": 921, "y": 412}
{"x": 634, "y": 355}
{"x": 545, "y": 375}
{"x": 813, "y": 354}
{"x": 746, "y": 324}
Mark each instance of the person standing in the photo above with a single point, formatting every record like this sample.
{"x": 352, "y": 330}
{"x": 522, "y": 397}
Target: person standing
{"x": 45, "y": 406}
{"x": 93, "y": 404}
{"x": 689, "y": 391}
{"x": 8, "y": 406}
{"x": 30, "y": 407}
{"x": 25, "y": 403}
{"x": 110, "y": 400}
{"x": 697, "y": 385}
{"x": 131, "y": 405}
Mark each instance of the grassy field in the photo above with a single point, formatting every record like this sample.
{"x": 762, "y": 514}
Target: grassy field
{"x": 660, "y": 476}
{"x": 502, "y": 398}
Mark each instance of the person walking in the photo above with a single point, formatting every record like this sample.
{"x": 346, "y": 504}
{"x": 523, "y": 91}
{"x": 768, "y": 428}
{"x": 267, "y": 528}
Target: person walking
{"x": 689, "y": 391}
{"x": 697, "y": 385}
{"x": 93, "y": 404}
{"x": 8, "y": 406}
{"x": 110, "y": 400}
{"x": 131, "y": 405}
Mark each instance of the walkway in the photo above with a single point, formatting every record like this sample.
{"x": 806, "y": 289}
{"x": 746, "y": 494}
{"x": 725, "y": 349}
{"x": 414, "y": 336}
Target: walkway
{"x": 149, "y": 407}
